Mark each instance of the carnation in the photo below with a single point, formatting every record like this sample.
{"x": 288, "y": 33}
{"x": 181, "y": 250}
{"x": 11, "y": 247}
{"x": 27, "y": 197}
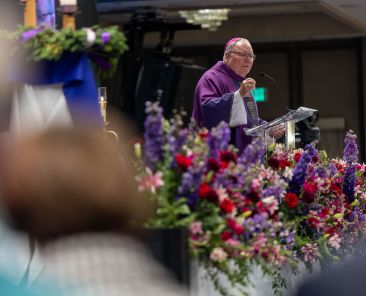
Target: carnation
{"x": 218, "y": 254}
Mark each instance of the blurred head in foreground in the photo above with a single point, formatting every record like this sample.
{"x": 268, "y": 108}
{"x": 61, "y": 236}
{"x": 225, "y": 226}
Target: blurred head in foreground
{"x": 69, "y": 181}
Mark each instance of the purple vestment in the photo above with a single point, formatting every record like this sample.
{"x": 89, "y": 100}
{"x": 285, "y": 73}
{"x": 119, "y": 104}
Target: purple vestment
{"x": 213, "y": 100}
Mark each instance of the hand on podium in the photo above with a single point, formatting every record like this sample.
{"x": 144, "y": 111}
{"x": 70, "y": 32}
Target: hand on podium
{"x": 277, "y": 131}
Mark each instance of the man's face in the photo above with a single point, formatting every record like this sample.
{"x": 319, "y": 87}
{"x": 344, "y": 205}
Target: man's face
{"x": 240, "y": 58}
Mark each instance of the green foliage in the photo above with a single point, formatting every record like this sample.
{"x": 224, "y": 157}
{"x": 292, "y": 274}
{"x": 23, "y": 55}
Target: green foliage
{"x": 49, "y": 45}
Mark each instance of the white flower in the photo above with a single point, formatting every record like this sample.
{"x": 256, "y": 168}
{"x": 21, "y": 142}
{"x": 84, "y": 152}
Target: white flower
{"x": 218, "y": 254}
{"x": 271, "y": 204}
{"x": 90, "y": 36}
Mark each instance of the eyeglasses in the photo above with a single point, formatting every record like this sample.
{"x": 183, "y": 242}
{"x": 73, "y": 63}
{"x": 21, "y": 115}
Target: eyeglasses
{"x": 244, "y": 55}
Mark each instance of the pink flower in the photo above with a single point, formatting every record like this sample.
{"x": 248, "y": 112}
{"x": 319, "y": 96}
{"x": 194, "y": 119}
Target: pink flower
{"x": 195, "y": 228}
{"x": 218, "y": 254}
{"x": 334, "y": 241}
{"x": 310, "y": 252}
{"x": 232, "y": 242}
{"x": 256, "y": 185}
{"x": 150, "y": 181}
{"x": 260, "y": 241}
{"x": 271, "y": 204}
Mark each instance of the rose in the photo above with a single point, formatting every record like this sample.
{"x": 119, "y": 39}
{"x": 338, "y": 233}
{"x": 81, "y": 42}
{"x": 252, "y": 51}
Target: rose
{"x": 227, "y": 205}
{"x": 205, "y": 192}
{"x": 291, "y": 200}
{"x": 308, "y": 195}
{"x": 213, "y": 165}
{"x": 183, "y": 162}
{"x": 297, "y": 156}
{"x": 274, "y": 163}
{"x": 227, "y": 156}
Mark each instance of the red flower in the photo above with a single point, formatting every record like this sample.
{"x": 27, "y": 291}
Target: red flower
{"x": 205, "y": 192}
{"x": 291, "y": 200}
{"x": 227, "y": 156}
{"x": 226, "y": 235}
{"x": 237, "y": 228}
{"x": 227, "y": 205}
{"x": 297, "y": 156}
{"x": 183, "y": 162}
{"x": 213, "y": 164}
{"x": 284, "y": 163}
{"x": 203, "y": 134}
{"x": 231, "y": 222}
{"x": 274, "y": 163}
{"x": 335, "y": 187}
{"x": 260, "y": 207}
{"x": 224, "y": 165}
{"x": 308, "y": 195}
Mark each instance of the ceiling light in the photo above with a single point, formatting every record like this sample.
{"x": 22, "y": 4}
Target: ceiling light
{"x": 209, "y": 19}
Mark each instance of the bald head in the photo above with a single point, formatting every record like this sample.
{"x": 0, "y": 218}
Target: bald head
{"x": 239, "y": 56}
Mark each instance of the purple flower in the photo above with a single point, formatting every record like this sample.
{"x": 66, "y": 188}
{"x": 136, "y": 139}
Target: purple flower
{"x": 349, "y": 182}
{"x": 350, "y": 152}
{"x": 106, "y": 37}
{"x": 176, "y": 136}
{"x": 218, "y": 139}
{"x": 332, "y": 170}
{"x": 276, "y": 191}
{"x": 300, "y": 170}
{"x": 28, "y": 35}
{"x": 191, "y": 180}
{"x": 154, "y": 134}
{"x": 253, "y": 153}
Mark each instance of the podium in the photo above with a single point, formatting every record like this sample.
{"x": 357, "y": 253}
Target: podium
{"x": 289, "y": 120}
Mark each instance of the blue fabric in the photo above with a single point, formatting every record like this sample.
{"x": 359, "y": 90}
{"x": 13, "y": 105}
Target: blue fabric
{"x": 74, "y": 71}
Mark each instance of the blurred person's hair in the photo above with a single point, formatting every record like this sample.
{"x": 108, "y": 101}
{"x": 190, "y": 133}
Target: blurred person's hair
{"x": 68, "y": 181}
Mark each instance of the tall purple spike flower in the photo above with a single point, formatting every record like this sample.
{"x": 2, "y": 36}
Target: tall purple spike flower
{"x": 218, "y": 139}
{"x": 176, "y": 135}
{"x": 300, "y": 170}
{"x": 350, "y": 155}
{"x": 253, "y": 153}
{"x": 350, "y": 152}
{"x": 191, "y": 180}
{"x": 154, "y": 134}
{"x": 349, "y": 182}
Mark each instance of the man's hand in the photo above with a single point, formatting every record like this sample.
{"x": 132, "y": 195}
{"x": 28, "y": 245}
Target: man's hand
{"x": 246, "y": 86}
{"x": 277, "y": 131}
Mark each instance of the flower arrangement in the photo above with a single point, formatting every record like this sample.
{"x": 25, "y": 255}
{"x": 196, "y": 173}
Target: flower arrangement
{"x": 103, "y": 45}
{"x": 283, "y": 207}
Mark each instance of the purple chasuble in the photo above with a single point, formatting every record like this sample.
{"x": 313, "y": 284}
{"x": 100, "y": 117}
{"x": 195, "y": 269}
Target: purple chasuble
{"x": 213, "y": 100}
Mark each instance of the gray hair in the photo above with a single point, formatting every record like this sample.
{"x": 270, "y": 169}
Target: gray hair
{"x": 232, "y": 44}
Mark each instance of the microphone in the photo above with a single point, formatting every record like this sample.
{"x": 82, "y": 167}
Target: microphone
{"x": 277, "y": 88}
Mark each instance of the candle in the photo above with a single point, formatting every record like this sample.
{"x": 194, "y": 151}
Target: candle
{"x": 69, "y": 6}
{"x": 103, "y": 108}
{"x": 30, "y": 14}
{"x": 102, "y": 94}
{"x": 69, "y": 9}
{"x": 68, "y": 2}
